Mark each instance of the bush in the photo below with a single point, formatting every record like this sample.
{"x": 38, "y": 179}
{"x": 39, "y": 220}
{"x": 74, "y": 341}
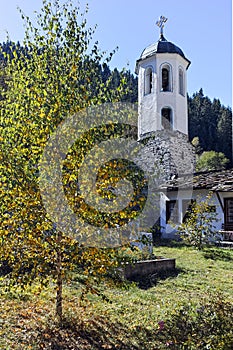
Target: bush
{"x": 199, "y": 227}
{"x": 210, "y": 327}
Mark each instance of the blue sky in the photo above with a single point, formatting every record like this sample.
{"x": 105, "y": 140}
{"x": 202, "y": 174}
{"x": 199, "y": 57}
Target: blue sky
{"x": 201, "y": 28}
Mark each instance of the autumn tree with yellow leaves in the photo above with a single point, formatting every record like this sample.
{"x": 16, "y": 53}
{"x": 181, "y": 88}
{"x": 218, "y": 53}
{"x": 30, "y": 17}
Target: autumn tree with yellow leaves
{"x": 56, "y": 75}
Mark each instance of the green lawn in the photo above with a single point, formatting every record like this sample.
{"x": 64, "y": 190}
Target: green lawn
{"x": 130, "y": 319}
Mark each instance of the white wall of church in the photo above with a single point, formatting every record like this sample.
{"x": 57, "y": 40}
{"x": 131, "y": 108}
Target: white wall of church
{"x": 151, "y": 104}
{"x": 169, "y": 231}
{"x": 147, "y": 119}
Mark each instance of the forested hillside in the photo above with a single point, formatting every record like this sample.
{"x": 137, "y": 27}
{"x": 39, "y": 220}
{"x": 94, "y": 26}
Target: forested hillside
{"x": 209, "y": 121}
{"x": 113, "y": 79}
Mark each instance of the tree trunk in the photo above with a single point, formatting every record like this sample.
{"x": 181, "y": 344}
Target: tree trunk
{"x": 59, "y": 282}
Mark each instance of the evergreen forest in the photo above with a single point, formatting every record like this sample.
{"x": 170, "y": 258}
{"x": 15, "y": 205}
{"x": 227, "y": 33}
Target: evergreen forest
{"x": 210, "y": 122}
{"x": 64, "y": 243}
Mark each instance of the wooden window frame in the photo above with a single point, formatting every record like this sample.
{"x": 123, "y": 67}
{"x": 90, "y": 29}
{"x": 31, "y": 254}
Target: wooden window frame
{"x": 227, "y": 225}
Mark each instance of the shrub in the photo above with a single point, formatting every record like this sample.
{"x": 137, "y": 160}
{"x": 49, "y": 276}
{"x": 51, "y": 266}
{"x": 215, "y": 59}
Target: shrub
{"x": 199, "y": 226}
{"x": 210, "y": 327}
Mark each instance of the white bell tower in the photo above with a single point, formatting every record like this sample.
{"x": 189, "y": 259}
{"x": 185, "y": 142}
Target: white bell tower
{"x": 162, "y": 87}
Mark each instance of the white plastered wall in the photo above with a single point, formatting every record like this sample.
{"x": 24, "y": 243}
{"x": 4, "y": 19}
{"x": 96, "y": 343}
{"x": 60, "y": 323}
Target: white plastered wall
{"x": 150, "y": 105}
{"x": 167, "y": 230}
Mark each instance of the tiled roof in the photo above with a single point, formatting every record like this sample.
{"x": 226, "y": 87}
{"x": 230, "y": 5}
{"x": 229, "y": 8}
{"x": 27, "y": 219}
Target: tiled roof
{"x": 217, "y": 181}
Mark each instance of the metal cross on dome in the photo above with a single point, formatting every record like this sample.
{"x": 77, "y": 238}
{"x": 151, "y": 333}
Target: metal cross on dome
{"x": 160, "y": 24}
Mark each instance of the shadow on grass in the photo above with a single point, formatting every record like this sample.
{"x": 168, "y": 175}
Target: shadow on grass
{"x": 95, "y": 334}
{"x": 151, "y": 280}
{"x": 217, "y": 254}
{"x": 170, "y": 243}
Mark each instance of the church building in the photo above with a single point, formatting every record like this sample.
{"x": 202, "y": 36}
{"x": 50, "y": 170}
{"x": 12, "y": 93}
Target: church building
{"x": 163, "y": 129}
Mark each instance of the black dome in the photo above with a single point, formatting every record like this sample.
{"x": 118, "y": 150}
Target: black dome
{"x": 161, "y": 46}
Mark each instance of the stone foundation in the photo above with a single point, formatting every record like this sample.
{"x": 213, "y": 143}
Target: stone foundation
{"x": 170, "y": 152}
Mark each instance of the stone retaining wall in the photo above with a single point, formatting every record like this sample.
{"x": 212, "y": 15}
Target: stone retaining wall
{"x": 149, "y": 267}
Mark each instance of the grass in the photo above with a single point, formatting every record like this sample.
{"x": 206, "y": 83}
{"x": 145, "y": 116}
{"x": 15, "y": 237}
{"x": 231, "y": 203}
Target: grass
{"x": 130, "y": 320}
